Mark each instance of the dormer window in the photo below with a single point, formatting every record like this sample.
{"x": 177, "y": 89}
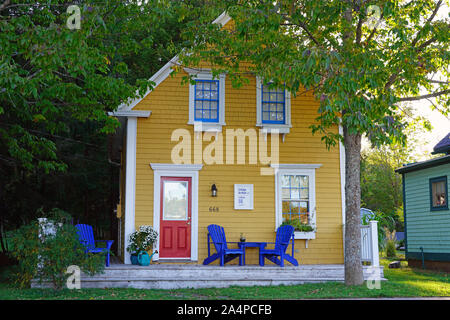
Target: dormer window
{"x": 206, "y": 100}
{"x": 273, "y": 108}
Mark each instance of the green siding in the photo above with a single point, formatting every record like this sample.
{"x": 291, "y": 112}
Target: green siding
{"x": 426, "y": 228}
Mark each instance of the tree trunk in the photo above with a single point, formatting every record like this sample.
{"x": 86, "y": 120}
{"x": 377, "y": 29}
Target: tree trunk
{"x": 353, "y": 265}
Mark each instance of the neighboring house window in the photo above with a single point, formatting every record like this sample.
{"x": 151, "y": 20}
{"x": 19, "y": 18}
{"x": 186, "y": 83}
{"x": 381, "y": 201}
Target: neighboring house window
{"x": 206, "y": 100}
{"x": 439, "y": 193}
{"x": 296, "y": 197}
{"x": 273, "y": 108}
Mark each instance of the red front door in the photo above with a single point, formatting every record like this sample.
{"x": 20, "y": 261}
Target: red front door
{"x": 175, "y": 217}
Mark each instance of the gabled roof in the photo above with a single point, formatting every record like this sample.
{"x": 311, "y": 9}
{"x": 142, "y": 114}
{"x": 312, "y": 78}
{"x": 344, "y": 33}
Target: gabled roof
{"x": 165, "y": 71}
{"x": 443, "y": 146}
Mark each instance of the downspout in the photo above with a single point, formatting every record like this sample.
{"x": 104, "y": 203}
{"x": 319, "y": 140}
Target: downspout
{"x": 423, "y": 258}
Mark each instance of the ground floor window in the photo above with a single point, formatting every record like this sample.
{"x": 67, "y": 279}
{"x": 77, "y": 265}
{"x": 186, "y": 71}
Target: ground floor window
{"x": 295, "y": 197}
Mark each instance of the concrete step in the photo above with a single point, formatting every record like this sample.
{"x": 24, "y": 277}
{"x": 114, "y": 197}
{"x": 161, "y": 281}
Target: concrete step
{"x": 159, "y": 276}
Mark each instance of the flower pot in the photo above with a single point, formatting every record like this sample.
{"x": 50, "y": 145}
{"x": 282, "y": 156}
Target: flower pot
{"x": 143, "y": 258}
{"x": 134, "y": 259}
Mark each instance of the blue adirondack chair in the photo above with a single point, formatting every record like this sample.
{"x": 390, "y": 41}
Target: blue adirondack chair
{"x": 86, "y": 237}
{"x": 217, "y": 235}
{"x": 284, "y": 235}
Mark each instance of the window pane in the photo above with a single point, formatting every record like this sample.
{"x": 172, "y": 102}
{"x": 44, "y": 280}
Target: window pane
{"x": 295, "y": 193}
{"x": 280, "y": 116}
{"x": 295, "y": 207}
{"x": 175, "y": 200}
{"x": 285, "y": 207}
{"x": 304, "y": 193}
{"x": 303, "y": 207}
{"x": 265, "y": 116}
{"x": 285, "y": 193}
{"x": 285, "y": 180}
{"x": 304, "y": 181}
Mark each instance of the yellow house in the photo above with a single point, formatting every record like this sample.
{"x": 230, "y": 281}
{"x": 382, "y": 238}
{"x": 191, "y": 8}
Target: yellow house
{"x": 245, "y": 159}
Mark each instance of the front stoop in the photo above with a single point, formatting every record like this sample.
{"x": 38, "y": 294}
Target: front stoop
{"x": 161, "y": 276}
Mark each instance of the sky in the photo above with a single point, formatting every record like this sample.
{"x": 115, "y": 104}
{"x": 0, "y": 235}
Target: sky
{"x": 440, "y": 123}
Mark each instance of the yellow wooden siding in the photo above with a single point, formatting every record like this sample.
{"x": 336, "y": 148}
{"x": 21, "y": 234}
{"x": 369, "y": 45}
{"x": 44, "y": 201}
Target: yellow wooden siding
{"x": 169, "y": 104}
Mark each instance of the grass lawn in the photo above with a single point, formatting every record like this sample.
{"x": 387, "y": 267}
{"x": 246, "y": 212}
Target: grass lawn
{"x": 403, "y": 282}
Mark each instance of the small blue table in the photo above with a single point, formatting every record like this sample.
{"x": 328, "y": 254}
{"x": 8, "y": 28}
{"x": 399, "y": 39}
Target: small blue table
{"x": 244, "y": 244}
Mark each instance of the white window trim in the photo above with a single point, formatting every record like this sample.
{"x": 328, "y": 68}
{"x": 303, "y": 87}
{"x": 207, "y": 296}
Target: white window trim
{"x": 296, "y": 169}
{"x": 205, "y": 74}
{"x": 177, "y": 170}
{"x": 269, "y": 127}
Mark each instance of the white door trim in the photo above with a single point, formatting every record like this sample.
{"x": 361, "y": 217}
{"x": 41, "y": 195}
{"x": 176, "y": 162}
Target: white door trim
{"x": 176, "y": 170}
{"x": 130, "y": 183}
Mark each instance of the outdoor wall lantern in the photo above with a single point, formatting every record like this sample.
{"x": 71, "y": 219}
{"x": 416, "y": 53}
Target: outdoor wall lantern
{"x": 213, "y": 190}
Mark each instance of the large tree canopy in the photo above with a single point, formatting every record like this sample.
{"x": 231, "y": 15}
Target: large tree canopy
{"x": 57, "y": 83}
{"x": 360, "y": 58}
{"x": 53, "y": 72}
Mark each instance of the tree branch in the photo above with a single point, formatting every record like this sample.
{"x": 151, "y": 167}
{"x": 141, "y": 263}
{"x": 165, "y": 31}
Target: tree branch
{"x": 426, "y": 96}
{"x": 438, "y": 5}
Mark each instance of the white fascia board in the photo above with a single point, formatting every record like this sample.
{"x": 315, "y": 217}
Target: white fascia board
{"x": 131, "y": 113}
{"x": 157, "y": 78}
{"x": 166, "y": 70}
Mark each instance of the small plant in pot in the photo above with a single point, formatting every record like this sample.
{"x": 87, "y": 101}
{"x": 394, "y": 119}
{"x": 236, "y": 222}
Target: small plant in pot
{"x": 142, "y": 241}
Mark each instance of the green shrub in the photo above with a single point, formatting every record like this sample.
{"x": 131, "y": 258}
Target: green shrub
{"x": 46, "y": 258}
{"x": 390, "y": 243}
{"x": 391, "y": 252}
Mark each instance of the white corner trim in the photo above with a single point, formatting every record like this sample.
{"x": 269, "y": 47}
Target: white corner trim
{"x": 130, "y": 184}
{"x": 176, "y": 167}
{"x": 342, "y": 173}
{"x": 131, "y": 113}
{"x": 177, "y": 170}
{"x": 296, "y": 166}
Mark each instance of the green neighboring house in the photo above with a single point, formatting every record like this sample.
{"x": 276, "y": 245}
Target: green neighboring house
{"x": 426, "y": 210}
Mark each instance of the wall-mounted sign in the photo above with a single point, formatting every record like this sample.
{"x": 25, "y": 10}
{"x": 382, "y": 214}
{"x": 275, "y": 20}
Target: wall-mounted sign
{"x": 243, "y": 197}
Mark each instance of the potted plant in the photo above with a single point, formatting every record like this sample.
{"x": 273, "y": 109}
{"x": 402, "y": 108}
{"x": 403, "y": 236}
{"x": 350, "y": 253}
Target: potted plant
{"x": 302, "y": 230}
{"x": 142, "y": 241}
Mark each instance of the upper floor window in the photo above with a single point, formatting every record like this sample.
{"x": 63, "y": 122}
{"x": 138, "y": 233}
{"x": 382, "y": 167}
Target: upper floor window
{"x": 439, "y": 193}
{"x": 273, "y": 108}
{"x": 273, "y": 105}
{"x": 206, "y": 100}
